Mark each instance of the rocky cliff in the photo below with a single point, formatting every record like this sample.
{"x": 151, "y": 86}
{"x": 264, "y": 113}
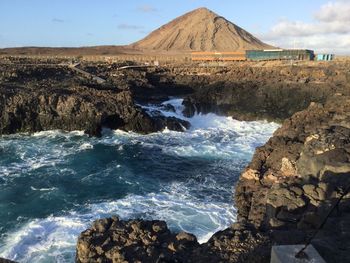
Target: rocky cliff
{"x": 37, "y": 98}
{"x": 275, "y": 93}
{"x": 296, "y": 178}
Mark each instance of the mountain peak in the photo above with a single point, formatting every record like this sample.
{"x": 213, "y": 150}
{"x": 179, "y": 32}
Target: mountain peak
{"x": 199, "y": 30}
{"x": 202, "y": 10}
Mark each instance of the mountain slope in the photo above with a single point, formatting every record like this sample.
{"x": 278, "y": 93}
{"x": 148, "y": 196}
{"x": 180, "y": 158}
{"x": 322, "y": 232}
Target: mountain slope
{"x": 200, "y": 30}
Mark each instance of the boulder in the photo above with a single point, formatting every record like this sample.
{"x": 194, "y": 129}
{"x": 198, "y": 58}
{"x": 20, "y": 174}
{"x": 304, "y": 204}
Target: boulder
{"x": 114, "y": 240}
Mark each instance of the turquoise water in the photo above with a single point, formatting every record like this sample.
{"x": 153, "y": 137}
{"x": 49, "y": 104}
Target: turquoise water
{"x": 54, "y": 184}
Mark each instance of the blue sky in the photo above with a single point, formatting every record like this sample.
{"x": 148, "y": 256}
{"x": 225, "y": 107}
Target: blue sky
{"x": 113, "y": 22}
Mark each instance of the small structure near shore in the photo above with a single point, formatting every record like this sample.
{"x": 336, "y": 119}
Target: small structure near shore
{"x": 255, "y": 55}
{"x": 325, "y": 57}
{"x": 280, "y": 54}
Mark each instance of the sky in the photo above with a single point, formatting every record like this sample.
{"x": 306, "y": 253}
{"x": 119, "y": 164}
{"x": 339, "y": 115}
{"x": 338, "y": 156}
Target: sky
{"x": 322, "y": 25}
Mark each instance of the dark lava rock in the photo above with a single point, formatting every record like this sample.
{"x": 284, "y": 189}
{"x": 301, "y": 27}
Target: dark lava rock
{"x": 236, "y": 244}
{"x": 253, "y": 101}
{"x": 258, "y": 92}
{"x": 39, "y": 98}
{"x": 114, "y": 240}
{"x": 296, "y": 178}
{"x": 82, "y": 109}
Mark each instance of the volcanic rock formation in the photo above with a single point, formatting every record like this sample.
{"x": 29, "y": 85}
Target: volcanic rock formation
{"x": 114, "y": 240}
{"x": 297, "y": 177}
{"x": 200, "y": 30}
{"x": 35, "y": 98}
{"x": 255, "y": 93}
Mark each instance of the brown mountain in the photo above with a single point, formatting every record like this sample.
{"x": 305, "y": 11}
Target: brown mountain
{"x": 200, "y": 30}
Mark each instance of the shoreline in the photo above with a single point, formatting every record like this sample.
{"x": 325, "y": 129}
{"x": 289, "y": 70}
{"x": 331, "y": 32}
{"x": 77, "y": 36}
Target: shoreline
{"x": 245, "y": 93}
{"x": 283, "y": 190}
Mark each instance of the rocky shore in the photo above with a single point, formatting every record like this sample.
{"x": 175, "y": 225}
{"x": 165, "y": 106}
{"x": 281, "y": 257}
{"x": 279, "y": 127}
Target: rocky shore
{"x": 283, "y": 194}
{"x": 282, "y": 198}
{"x": 36, "y": 98}
{"x": 114, "y": 240}
{"x": 264, "y": 92}
{"x": 296, "y": 178}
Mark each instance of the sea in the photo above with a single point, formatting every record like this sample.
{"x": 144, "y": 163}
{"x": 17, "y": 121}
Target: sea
{"x": 54, "y": 184}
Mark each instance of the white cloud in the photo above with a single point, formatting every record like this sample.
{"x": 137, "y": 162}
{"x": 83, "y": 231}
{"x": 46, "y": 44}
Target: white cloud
{"x": 129, "y": 27}
{"x": 334, "y": 11}
{"x": 329, "y": 32}
{"x": 147, "y": 9}
{"x": 57, "y": 20}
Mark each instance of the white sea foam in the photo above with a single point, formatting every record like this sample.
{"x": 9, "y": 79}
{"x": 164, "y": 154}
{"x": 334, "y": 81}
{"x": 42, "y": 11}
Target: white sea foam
{"x": 30, "y": 153}
{"x": 43, "y": 189}
{"x": 44, "y": 240}
{"x": 86, "y": 146}
{"x": 55, "y": 133}
{"x": 53, "y": 239}
{"x": 233, "y": 138}
{"x": 210, "y": 135}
